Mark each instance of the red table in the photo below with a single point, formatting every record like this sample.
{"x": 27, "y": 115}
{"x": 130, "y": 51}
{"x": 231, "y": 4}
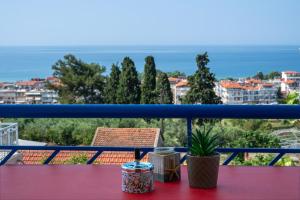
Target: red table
{"x": 104, "y": 182}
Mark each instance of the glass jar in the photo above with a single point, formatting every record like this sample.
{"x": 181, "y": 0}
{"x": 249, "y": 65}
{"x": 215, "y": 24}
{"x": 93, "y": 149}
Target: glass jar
{"x": 137, "y": 177}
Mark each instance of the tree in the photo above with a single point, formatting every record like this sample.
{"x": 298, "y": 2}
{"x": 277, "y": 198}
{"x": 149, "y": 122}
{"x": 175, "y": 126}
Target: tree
{"x": 176, "y": 74}
{"x": 164, "y": 93}
{"x": 129, "y": 91}
{"x": 292, "y": 98}
{"x": 202, "y": 84}
{"x": 112, "y": 85}
{"x": 259, "y": 75}
{"x": 148, "y": 95}
{"x": 273, "y": 75}
{"x": 80, "y": 82}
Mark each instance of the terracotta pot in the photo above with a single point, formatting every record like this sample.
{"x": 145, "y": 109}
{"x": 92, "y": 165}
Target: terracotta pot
{"x": 203, "y": 171}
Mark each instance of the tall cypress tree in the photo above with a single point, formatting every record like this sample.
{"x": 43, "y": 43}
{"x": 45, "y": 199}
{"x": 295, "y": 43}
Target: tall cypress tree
{"x": 164, "y": 93}
{"x": 129, "y": 91}
{"x": 164, "y": 96}
{"x": 202, "y": 84}
{"x": 112, "y": 85}
{"x": 148, "y": 95}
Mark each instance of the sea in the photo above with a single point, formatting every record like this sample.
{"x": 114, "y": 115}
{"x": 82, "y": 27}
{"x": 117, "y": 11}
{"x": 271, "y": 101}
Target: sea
{"x": 26, "y": 62}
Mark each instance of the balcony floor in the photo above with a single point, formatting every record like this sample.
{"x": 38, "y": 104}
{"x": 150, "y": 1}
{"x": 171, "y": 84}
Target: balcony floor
{"x": 104, "y": 182}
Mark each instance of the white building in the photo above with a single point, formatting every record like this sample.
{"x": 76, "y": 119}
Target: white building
{"x": 7, "y": 96}
{"x": 49, "y": 97}
{"x": 248, "y": 92}
{"x": 181, "y": 88}
{"x": 290, "y": 82}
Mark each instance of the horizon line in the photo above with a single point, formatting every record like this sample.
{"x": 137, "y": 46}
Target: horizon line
{"x": 141, "y": 45}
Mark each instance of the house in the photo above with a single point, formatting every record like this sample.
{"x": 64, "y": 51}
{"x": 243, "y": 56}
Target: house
{"x": 290, "y": 82}
{"x": 181, "y": 88}
{"x": 126, "y": 137}
{"x": 249, "y": 91}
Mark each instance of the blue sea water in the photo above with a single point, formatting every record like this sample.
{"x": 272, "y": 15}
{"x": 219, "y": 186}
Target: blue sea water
{"x": 25, "y": 62}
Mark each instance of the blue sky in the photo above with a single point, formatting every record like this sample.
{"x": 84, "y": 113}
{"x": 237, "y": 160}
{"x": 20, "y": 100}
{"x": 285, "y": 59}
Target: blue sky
{"x": 156, "y": 22}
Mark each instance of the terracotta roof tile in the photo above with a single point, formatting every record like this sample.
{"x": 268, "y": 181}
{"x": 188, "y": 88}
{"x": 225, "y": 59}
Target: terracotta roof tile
{"x": 133, "y": 137}
{"x": 26, "y": 83}
{"x": 36, "y": 157}
{"x": 230, "y": 85}
{"x": 182, "y": 83}
{"x": 289, "y": 81}
{"x": 130, "y": 137}
{"x": 291, "y": 72}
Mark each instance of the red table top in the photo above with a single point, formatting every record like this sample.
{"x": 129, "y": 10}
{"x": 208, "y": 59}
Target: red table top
{"x": 104, "y": 182}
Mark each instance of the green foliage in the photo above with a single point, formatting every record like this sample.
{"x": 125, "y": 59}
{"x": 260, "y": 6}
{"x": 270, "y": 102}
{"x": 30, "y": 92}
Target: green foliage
{"x": 175, "y": 132}
{"x": 60, "y": 131}
{"x": 251, "y": 139}
{"x": 271, "y": 75}
{"x": 80, "y": 82}
{"x": 176, "y": 74}
{"x": 80, "y": 158}
{"x": 202, "y": 84}
{"x": 292, "y": 98}
{"x": 297, "y": 124}
{"x": 256, "y": 133}
{"x": 264, "y": 160}
{"x": 148, "y": 95}
{"x": 259, "y": 75}
{"x": 129, "y": 91}
{"x": 112, "y": 85}
{"x": 204, "y": 143}
{"x": 163, "y": 89}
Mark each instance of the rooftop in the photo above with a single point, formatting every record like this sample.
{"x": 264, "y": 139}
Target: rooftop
{"x": 132, "y": 137}
{"x": 291, "y": 72}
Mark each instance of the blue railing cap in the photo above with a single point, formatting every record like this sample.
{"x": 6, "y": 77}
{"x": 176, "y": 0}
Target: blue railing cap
{"x": 151, "y": 111}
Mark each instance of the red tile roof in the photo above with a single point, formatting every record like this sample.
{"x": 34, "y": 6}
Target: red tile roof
{"x": 36, "y": 157}
{"x": 291, "y": 72}
{"x": 130, "y": 137}
{"x": 289, "y": 81}
{"x": 133, "y": 137}
{"x": 254, "y": 81}
{"x": 52, "y": 78}
{"x": 182, "y": 83}
{"x": 173, "y": 79}
{"x": 26, "y": 83}
{"x": 230, "y": 85}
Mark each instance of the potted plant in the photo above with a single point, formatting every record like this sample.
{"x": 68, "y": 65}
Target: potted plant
{"x": 203, "y": 160}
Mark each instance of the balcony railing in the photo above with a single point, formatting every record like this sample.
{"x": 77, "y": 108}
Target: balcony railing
{"x": 8, "y": 134}
{"x": 188, "y": 112}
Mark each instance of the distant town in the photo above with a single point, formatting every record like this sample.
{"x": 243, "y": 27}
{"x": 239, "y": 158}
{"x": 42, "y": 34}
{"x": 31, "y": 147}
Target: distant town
{"x": 239, "y": 91}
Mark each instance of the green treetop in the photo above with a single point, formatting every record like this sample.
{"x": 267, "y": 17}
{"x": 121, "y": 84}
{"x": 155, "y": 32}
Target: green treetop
{"x": 292, "y": 98}
{"x": 112, "y": 85}
{"x": 129, "y": 91}
{"x": 164, "y": 93}
{"x": 148, "y": 95}
{"x": 80, "y": 82}
{"x": 202, "y": 84}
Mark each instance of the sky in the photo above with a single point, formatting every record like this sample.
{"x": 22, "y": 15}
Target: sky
{"x": 155, "y": 22}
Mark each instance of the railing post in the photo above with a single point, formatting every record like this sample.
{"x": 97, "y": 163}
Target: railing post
{"x": 189, "y": 132}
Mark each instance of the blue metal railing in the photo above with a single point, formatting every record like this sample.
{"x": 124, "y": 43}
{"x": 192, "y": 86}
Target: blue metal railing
{"x": 150, "y": 111}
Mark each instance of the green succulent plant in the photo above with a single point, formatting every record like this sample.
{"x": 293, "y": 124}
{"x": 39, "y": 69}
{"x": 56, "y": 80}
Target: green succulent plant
{"x": 204, "y": 142}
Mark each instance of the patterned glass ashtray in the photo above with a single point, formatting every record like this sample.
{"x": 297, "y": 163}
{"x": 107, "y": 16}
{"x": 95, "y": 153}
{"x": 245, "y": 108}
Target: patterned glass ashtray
{"x": 137, "y": 177}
